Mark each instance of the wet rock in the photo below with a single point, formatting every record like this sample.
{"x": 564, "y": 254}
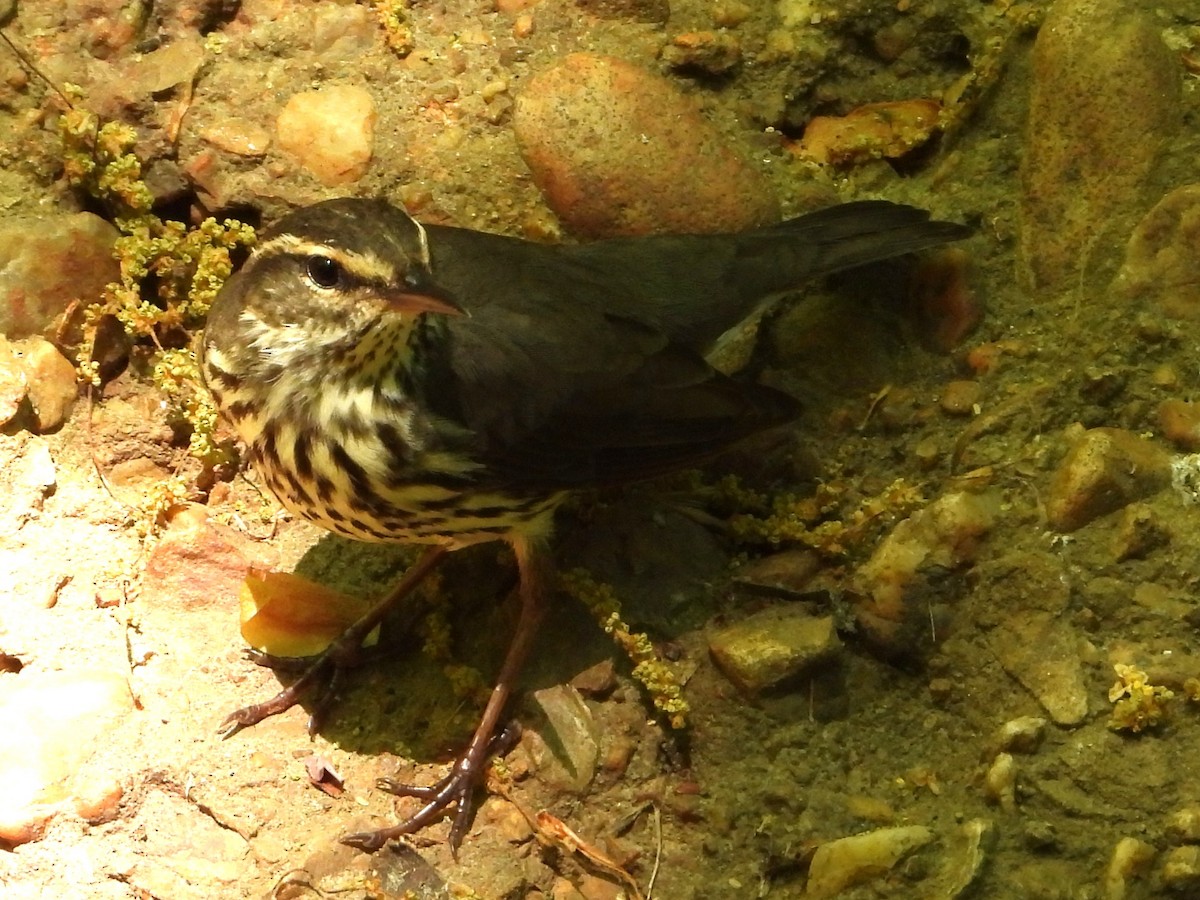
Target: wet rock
{"x": 616, "y": 149}
{"x": 944, "y": 535}
{"x": 966, "y": 854}
{"x": 786, "y": 574}
{"x": 773, "y": 646}
{"x": 329, "y": 132}
{"x": 730, "y": 13}
{"x": 1131, "y": 858}
{"x": 853, "y": 860}
{"x": 567, "y": 749}
{"x": 1000, "y": 782}
{"x": 1161, "y": 263}
{"x": 1104, "y": 96}
{"x": 709, "y": 52}
{"x": 1105, "y": 470}
{"x": 596, "y": 681}
{"x": 1181, "y": 870}
{"x": 942, "y": 306}
{"x": 1021, "y": 735}
{"x": 1139, "y": 532}
{"x": 53, "y": 722}
{"x": 1184, "y": 824}
{"x": 52, "y": 382}
{"x": 1040, "y": 836}
{"x": 1180, "y": 421}
{"x": 49, "y": 262}
{"x": 873, "y": 131}
{"x": 1041, "y": 651}
{"x": 961, "y": 398}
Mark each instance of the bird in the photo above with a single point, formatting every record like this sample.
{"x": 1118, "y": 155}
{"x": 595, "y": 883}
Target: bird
{"x": 414, "y": 383}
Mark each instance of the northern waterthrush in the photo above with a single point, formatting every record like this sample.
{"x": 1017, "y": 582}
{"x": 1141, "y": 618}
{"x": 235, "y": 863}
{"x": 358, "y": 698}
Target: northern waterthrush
{"x": 408, "y": 383}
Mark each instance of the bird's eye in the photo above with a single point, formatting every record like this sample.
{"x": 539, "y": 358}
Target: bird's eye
{"x": 323, "y": 271}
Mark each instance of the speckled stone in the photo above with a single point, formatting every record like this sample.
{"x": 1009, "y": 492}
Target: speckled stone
{"x": 49, "y": 262}
{"x": 772, "y": 646}
{"x": 1105, "y": 94}
{"x": 618, "y": 150}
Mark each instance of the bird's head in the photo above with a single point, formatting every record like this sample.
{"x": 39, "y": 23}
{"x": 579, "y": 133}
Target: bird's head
{"x": 337, "y": 280}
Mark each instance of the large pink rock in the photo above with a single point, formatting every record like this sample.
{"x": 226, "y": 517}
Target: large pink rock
{"x": 618, "y": 150}
{"x": 1105, "y": 96}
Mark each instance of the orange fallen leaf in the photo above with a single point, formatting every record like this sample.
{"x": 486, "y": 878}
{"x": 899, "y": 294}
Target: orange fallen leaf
{"x": 873, "y": 131}
{"x": 287, "y": 615}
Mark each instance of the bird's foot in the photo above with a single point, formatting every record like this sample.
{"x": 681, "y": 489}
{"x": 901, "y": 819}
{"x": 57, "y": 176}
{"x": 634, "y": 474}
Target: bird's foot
{"x": 456, "y": 788}
{"x": 321, "y": 675}
{"x": 324, "y": 672}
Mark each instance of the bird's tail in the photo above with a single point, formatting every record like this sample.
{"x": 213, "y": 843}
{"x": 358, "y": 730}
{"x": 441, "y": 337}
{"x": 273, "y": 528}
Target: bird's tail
{"x": 843, "y": 237}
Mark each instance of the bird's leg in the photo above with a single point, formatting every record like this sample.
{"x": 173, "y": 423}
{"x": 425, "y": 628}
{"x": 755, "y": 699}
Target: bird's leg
{"x": 325, "y": 670}
{"x": 457, "y": 786}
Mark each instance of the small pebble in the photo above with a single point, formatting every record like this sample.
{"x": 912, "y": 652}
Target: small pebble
{"x": 1021, "y": 735}
{"x": 848, "y": 861}
{"x": 960, "y": 398}
{"x": 876, "y": 130}
{"x": 1105, "y": 470}
{"x": 730, "y": 13}
{"x": 1000, "y": 782}
{"x": 1184, "y": 824}
{"x": 1140, "y": 532}
{"x": 53, "y": 384}
{"x": 772, "y": 646}
{"x": 1181, "y": 869}
{"x": 1131, "y": 858}
{"x": 240, "y": 137}
{"x": 329, "y": 132}
{"x": 710, "y": 52}
{"x": 1180, "y": 423}
{"x": 596, "y": 681}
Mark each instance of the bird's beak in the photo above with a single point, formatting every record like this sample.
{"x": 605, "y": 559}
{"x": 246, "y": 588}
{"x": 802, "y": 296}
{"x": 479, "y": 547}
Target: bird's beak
{"x": 421, "y": 295}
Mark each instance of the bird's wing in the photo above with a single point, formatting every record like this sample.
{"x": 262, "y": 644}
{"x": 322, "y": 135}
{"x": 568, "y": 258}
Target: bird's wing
{"x": 588, "y": 398}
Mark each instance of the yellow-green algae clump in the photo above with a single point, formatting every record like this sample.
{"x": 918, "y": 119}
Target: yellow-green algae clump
{"x": 170, "y": 273}
{"x": 1139, "y": 705}
{"x": 657, "y": 676}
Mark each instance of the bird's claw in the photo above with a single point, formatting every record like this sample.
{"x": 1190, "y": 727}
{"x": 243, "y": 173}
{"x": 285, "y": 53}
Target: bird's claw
{"x": 454, "y": 788}
{"x": 323, "y": 675}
